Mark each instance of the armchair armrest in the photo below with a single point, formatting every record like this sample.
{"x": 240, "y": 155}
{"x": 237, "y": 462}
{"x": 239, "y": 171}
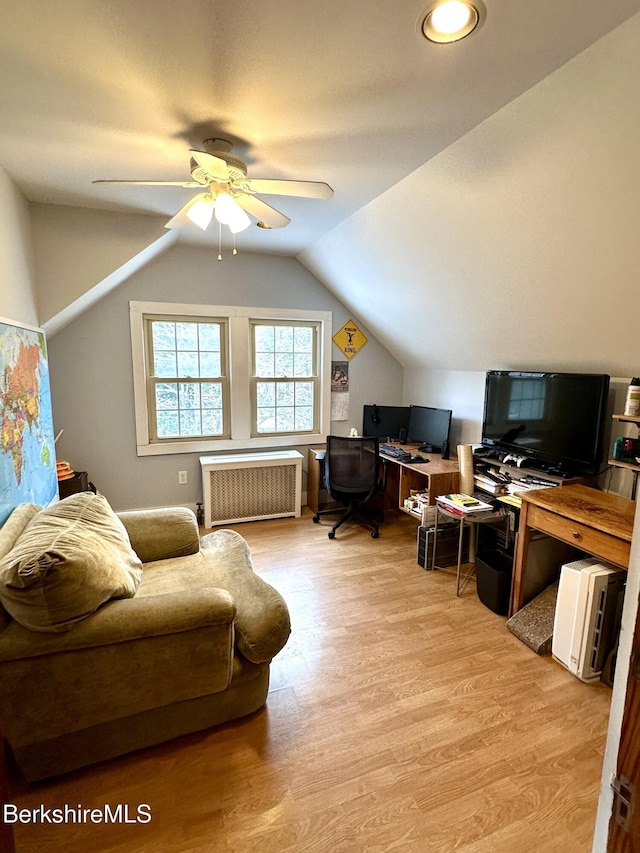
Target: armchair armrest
{"x": 159, "y": 534}
{"x": 123, "y": 620}
{"x": 262, "y": 621}
{"x": 131, "y": 656}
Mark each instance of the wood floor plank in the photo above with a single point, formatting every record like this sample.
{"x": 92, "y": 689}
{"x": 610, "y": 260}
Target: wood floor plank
{"x": 399, "y": 718}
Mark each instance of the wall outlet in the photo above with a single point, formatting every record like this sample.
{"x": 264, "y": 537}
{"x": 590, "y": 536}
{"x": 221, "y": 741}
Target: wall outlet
{"x": 182, "y": 478}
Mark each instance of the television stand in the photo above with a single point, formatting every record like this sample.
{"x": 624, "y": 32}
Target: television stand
{"x": 557, "y": 476}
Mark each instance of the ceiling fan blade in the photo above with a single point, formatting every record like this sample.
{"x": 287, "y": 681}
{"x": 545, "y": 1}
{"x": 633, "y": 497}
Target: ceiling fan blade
{"x": 302, "y": 189}
{"x": 154, "y": 183}
{"x": 262, "y": 211}
{"x": 213, "y": 166}
{"x": 181, "y": 217}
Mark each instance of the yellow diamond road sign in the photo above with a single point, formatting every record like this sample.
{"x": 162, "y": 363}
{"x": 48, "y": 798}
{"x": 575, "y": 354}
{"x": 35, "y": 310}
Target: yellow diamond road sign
{"x": 349, "y": 339}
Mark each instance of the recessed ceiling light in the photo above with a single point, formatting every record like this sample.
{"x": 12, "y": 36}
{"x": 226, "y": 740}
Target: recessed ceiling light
{"x": 446, "y": 21}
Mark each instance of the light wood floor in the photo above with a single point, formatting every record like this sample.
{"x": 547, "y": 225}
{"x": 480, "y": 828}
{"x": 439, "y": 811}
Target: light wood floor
{"x": 400, "y": 718}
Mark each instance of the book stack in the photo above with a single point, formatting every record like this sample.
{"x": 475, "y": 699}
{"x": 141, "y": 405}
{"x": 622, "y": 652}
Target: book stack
{"x": 462, "y": 504}
{"x": 486, "y": 484}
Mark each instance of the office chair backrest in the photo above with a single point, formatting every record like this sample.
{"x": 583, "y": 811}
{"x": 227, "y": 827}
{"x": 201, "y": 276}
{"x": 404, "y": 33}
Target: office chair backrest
{"x": 352, "y": 464}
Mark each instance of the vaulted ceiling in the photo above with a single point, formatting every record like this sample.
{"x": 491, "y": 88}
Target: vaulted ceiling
{"x": 344, "y": 92}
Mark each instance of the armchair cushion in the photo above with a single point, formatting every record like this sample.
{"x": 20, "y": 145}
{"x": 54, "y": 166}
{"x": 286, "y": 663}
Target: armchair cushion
{"x": 69, "y": 559}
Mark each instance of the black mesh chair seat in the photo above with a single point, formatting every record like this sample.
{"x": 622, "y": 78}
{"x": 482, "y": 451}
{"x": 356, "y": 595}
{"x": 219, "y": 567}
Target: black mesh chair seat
{"x": 352, "y": 477}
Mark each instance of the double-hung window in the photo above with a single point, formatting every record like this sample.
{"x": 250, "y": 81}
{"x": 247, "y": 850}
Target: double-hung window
{"x": 187, "y": 376}
{"x": 285, "y": 381}
{"x": 210, "y": 378}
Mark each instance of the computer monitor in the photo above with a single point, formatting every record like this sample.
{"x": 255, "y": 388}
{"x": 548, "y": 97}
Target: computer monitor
{"x": 385, "y": 421}
{"x": 429, "y": 426}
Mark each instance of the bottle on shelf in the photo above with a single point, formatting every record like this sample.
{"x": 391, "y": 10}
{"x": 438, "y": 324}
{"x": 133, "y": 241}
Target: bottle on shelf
{"x": 632, "y": 404}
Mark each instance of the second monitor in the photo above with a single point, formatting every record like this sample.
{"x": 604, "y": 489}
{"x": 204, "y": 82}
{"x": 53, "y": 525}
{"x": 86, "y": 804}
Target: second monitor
{"x": 430, "y": 427}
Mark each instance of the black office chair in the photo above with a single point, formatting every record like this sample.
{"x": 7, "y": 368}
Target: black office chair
{"x": 352, "y": 469}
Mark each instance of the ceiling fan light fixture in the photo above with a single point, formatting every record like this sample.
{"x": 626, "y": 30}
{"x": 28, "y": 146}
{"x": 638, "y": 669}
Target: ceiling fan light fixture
{"x": 201, "y": 213}
{"x": 239, "y": 221}
{"x": 447, "y": 21}
{"x": 225, "y": 208}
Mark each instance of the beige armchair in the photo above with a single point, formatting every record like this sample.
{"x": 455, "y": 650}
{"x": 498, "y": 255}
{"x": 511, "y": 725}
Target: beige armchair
{"x": 189, "y": 649}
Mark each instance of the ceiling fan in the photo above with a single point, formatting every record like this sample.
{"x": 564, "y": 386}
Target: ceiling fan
{"x": 229, "y": 193}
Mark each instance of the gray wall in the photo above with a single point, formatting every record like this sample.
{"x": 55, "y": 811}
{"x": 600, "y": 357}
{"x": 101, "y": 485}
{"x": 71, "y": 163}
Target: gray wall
{"x": 91, "y": 369}
{"x": 17, "y": 289}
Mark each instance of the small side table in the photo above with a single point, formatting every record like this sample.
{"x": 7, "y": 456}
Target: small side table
{"x": 472, "y": 519}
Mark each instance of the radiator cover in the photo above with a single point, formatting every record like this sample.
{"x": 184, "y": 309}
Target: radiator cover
{"x": 251, "y": 486}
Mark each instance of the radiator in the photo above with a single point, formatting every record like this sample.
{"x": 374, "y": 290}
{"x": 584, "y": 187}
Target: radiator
{"x": 251, "y": 486}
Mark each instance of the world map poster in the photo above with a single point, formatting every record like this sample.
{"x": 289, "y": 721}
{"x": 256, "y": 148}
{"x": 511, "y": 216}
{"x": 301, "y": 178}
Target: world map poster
{"x": 27, "y": 448}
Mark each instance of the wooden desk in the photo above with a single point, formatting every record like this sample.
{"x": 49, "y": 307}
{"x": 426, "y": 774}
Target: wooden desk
{"x": 596, "y": 522}
{"x": 438, "y": 477}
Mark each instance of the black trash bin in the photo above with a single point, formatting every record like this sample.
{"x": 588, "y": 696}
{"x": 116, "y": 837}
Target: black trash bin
{"x": 494, "y": 570}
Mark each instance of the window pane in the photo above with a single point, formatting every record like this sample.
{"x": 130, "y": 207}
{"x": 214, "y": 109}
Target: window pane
{"x": 304, "y": 418}
{"x": 266, "y": 419}
{"x": 188, "y": 364}
{"x": 303, "y": 364}
{"x": 303, "y": 339}
{"x": 264, "y": 338}
{"x": 166, "y": 396}
{"x": 212, "y": 422}
{"x": 190, "y": 423}
{"x": 168, "y": 424}
{"x": 210, "y": 364}
{"x": 211, "y": 395}
{"x": 284, "y": 339}
{"x": 304, "y": 393}
{"x": 265, "y": 365}
{"x": 163, "y": 335}
{"x": 284, "y": 364}
{"x": 187, "y": 336}
{"x": 209, "y": 336}
{"x": 164, "y": 363}
{"x": 266, "y": 394}
{"x": 189, "y": 395}
{"x": 284, "y": 393}
{"x": 285, "y": 419}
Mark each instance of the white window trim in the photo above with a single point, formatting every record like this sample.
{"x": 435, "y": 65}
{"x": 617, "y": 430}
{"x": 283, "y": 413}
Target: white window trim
{"x": 240, "y": 367}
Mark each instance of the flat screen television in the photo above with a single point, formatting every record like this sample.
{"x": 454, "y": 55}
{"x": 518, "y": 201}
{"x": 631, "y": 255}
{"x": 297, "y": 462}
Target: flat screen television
{"x": 429, "y": 426}
{"x": 556, "y": 420}
{"x": 385, "y": 421}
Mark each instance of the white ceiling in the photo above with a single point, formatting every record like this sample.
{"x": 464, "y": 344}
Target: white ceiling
{"x": 342, "y": 92}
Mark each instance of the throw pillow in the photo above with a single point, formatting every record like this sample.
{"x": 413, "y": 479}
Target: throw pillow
{"x": 70, "y": 558}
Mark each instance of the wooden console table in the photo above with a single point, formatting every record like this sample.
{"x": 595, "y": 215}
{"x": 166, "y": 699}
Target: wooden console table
{"x": 596, "y": 522}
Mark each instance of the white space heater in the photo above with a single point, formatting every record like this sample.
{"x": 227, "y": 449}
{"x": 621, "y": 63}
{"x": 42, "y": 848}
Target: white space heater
{"x": 587, "y": 616}
{"x": 251, "y": 486}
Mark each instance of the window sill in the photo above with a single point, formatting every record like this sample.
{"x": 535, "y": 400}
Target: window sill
{"x": 203, "y": 446}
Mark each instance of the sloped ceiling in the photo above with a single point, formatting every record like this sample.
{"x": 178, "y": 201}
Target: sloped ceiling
{"x": 516, "y": 247}
{"x": 347, "y": 93}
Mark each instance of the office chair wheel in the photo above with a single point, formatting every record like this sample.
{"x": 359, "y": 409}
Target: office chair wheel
{"x": 316, "y": 519}
{"x": 331, "y": 534}
{"x": 374, "y": 534}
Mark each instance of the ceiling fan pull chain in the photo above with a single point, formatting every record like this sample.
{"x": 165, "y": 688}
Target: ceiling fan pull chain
{"x": 219, "y": 241}
{"x": 235, "y": 251}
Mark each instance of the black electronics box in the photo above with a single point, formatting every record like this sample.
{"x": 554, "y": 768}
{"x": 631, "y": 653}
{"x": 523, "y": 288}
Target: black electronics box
{"x": 78, "y": 483}
{"x": 494, "y": 570}
{"x": 448, "y": 537}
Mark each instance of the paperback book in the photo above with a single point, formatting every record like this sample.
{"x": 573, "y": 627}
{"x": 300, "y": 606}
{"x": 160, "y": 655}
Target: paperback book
{"x": 462, "y": 504}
